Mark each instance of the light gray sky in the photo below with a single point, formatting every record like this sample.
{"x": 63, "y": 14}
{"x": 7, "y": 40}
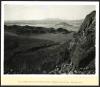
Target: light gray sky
{"x": 38, "y": 12}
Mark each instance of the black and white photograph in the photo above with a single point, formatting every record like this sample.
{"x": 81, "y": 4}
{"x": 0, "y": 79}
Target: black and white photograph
{"x": 49, "y": 39}
{"x": 53, "y": 43}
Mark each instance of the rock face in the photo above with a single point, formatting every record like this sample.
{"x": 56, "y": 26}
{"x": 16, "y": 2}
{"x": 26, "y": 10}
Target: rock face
{"x": 81, "y": 50}
{"x": 83, "y": 45}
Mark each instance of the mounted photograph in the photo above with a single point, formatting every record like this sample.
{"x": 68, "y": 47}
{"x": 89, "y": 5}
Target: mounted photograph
{"x": 53, "y": 43}
{"x": 49, "y": 39}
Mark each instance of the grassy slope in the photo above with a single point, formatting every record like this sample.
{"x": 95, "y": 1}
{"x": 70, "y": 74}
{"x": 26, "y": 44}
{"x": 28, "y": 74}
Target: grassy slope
{"x": 33, "y": 54}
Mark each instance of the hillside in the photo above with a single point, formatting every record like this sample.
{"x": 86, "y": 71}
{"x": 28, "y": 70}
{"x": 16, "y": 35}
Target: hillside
{"x": 30, "y": 50}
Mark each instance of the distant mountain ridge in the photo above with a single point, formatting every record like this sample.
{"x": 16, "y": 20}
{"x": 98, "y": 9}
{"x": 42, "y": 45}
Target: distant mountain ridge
{"x": 64, "y": 24}
{"x": 54, "y": 23}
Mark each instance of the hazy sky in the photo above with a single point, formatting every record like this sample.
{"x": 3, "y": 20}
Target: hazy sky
{"x": 37, "y": 12}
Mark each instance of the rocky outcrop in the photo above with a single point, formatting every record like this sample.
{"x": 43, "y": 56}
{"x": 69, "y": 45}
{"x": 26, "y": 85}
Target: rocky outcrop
{"x": 81, "y": 50}
{"x": 83, "y": 45}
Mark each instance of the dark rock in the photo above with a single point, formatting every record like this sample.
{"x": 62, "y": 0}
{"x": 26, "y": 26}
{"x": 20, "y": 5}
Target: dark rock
{"x": 83, "y": 45}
